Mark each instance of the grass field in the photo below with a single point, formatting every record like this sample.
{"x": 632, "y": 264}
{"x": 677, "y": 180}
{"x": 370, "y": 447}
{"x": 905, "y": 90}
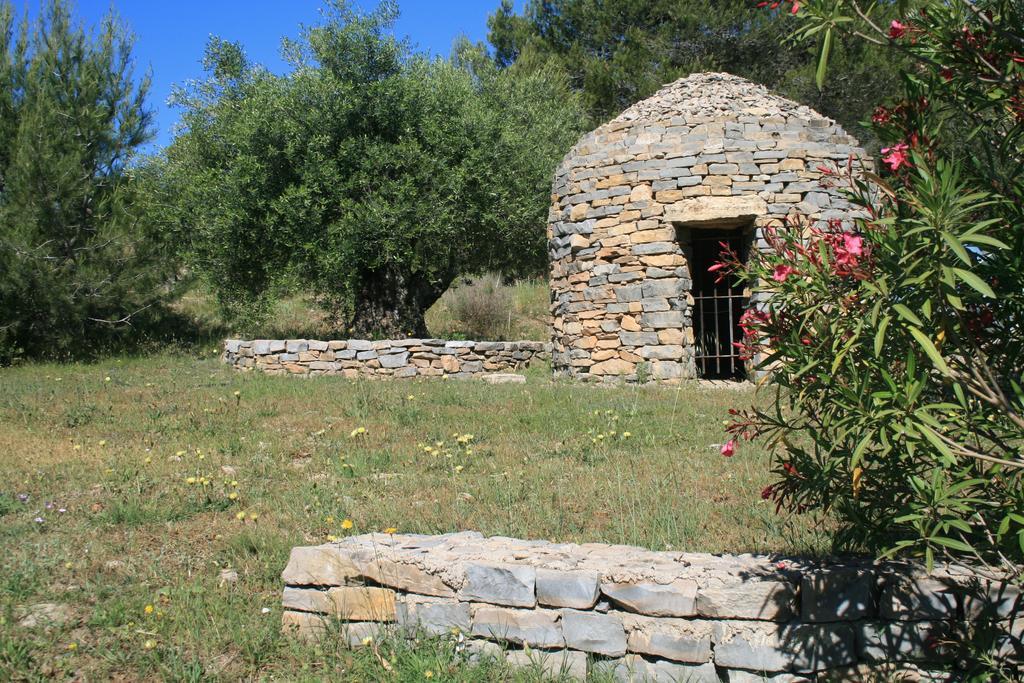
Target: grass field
{"x": 135, "y": 490}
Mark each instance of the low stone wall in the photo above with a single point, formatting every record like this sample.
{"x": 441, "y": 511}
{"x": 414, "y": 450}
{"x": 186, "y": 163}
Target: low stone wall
{"x": 642, "y": 615}
{"x": 388, "y": 358}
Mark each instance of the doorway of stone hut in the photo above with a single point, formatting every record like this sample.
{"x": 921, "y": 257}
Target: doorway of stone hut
{"x": 717, "y": 304}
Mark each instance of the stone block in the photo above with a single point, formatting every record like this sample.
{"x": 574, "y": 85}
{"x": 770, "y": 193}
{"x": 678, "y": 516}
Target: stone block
{"x": 435, "y": 616}
{"x": 660, "y": 320}
{"x": 913, "y": 598}
{"x": 669, "y": 352}
{"x": 761, "y": 646}
{"x": 403, "y": 576}
{"x": 556, "y": 664}
{"x": 568, "y": 588}
{"x": 601, "y": 634}
{"x": 504, "y": 378}
{"x": 359, "y": 345}
{"x": 668, "y": 287}
{"x": 638, "y": 338}
{"x": 351, "y": 603}
{"x": 500, "y": 584}
{"x": 304, "y": 626}
{"x": 536, "y": 628}
{"x": 318, "y": 566}
{"x": 762, "y": 600}
{"x": 394, "y": 360}
{"x": 902, "y": 641}
{"x": 681, "y": 640}
{"x": 636, "y": 669}
{"x": 653, "y": 248}
{"x": 676, "y": 599}
{"x": 837, "y": 594}
{"x": 716, "y": 211}
{"x": 614, "y": 366}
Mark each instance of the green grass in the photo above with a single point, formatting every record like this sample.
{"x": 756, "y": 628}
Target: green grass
{"x": 549, "y": 460}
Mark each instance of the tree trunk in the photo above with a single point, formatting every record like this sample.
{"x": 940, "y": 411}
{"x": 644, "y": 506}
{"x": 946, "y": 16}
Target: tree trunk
{"x": 392, "y": 305}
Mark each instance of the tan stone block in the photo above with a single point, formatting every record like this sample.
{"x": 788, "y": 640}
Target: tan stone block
{"x": 615, "y": 366}
{"x": 696, "y": 191}
{"x": 635, "y": 307}
{"x": 607, "y": 222}
{"x": 721, "y": 192}
{"x": 670, "y": 336}
{"x": 629, "y": 356}
{"x": 665, "y": 234}
{"x": 304, "y": 626}
{"x": 688, "y": 335}
{"x": 296, "y": 369}
{"x": 623, "y": 229}
{"x": 577, "y": 242}
{"x": 611, "y": 181}
{"x": 699, "y": 169}
{"x": 351, "y": 603}
{"x": 627, "y": 216}
{"x": 613, "y": 343}
{"x": 640, "y": 193}
{"x": 791, "y": 165}
{"x": 629, "y": 324}
{"x": 406, "y": 577}
{"x": 662, "y": 260}
{"x": 586, "y": 342}
{"x": 718, "y": 180}
{"x": 616, "y": 241}
{"x": 308, "y": 356}
{"x": 604, "y": 354}
{"x": 579, "y": 212}
{"x": 669, "y": 196}
{"x": 788, "y": 197}
{"x": 318, "y": 566}
{"x": 450, "y": 364}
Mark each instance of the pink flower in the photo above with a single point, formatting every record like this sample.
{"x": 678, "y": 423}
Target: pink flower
{"x": 782, "y": 272}
{"x": 848, "y": 250}
{"x": 729, "y": 448}
{"x": 716, "y": 267}
{"x": 897, "y": 30}
{"x": 896, "y": 156}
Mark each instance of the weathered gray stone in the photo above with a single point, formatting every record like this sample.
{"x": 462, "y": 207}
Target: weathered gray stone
{"x": 902, "y": 641}
{"x": 318, "y": 566}
{"x": 636, "y": 669}
{"x": 676, "y": 599}
{"x": 575, "y": 589}
{"x": 837, "y": 594}
{"x": 909, "y": 598}
{"x": 601, "y": 634}
{"x": 351, "y": 603}
{"x": 680, "y": 640}
{"x": 500, "y": 584}
{"x": 536, "y": 628}
{"x": 379, "y": 568}
{"x": 504, "y": 378}
{"x": 764, "y": 600}
{"x": 435, "y": 616}
{"x": 394, "y": 360}
{"x": 558, "y": 664}
{"x": 761, "y": 646}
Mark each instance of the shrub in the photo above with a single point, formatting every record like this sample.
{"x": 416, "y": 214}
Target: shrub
{"x": 482, "y": 307}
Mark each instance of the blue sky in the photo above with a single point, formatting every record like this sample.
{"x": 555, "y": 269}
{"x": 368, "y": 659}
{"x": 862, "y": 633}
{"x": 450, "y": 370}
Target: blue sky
{"x": 171, "y": 35}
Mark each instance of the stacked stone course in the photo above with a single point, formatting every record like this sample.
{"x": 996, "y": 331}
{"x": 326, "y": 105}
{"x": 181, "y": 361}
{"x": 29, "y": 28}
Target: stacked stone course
{"x": 707, "y": 151}
{"x": 388, "y": 358}
{"x": 641, "y": 615}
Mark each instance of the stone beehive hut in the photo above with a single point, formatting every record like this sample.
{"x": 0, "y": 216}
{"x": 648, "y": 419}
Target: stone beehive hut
{"x": 641, "y": 205}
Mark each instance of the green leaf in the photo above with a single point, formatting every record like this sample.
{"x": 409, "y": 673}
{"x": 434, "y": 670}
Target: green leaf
{"x": 908, "y": 315}
{"x": 929, "y": 348}
{"x": 956, "y": 246}
{"x": 880, "y": 335}
{"x": 823, "y": 54}
{"x": 952, "y": 543}
{"x": 975, "y": 282}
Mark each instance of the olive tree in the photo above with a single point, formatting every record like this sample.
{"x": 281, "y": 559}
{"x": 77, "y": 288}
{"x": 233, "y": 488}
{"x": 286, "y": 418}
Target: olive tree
{"x": 368, "y": 175}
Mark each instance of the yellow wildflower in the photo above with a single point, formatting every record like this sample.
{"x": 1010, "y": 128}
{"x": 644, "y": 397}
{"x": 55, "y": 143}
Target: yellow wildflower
{"x": 103, "y": 442}
{"x": 428, "y": 674}
{"x": 149, "y": 644}
{"x": 346, "y": 524}
{"x": 331, "y": 538}
{"x": 357, "y": 432}
{"x": 232, "y": 496}
{"x": 253, "y": 516}
{"x": 106, "y": 379}
{"x": 390, "y": 530}
{"x": 190, "y": 480}
{"x": 239, "y": 515}
{"x": 148, "y": 609}
{"x": 367, "y": 640}
{"x": 458, "y": 468}
{"x": 72, "y": 646}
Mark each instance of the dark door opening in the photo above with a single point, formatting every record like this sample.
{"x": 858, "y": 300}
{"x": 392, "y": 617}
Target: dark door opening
{"x": 717, "y": 306}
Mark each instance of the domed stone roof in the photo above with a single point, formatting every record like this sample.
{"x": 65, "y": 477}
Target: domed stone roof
{"x": 632, "y": 200}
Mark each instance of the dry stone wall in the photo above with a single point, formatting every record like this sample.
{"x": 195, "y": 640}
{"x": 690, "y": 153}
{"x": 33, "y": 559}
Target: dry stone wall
{"x": 641, "y": 615}
{"x": 708, "y": 151}
{"x": 389, "y": 358}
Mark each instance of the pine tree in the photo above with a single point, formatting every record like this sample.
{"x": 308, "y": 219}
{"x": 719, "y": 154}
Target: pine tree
{"x": 76, "y": 260}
